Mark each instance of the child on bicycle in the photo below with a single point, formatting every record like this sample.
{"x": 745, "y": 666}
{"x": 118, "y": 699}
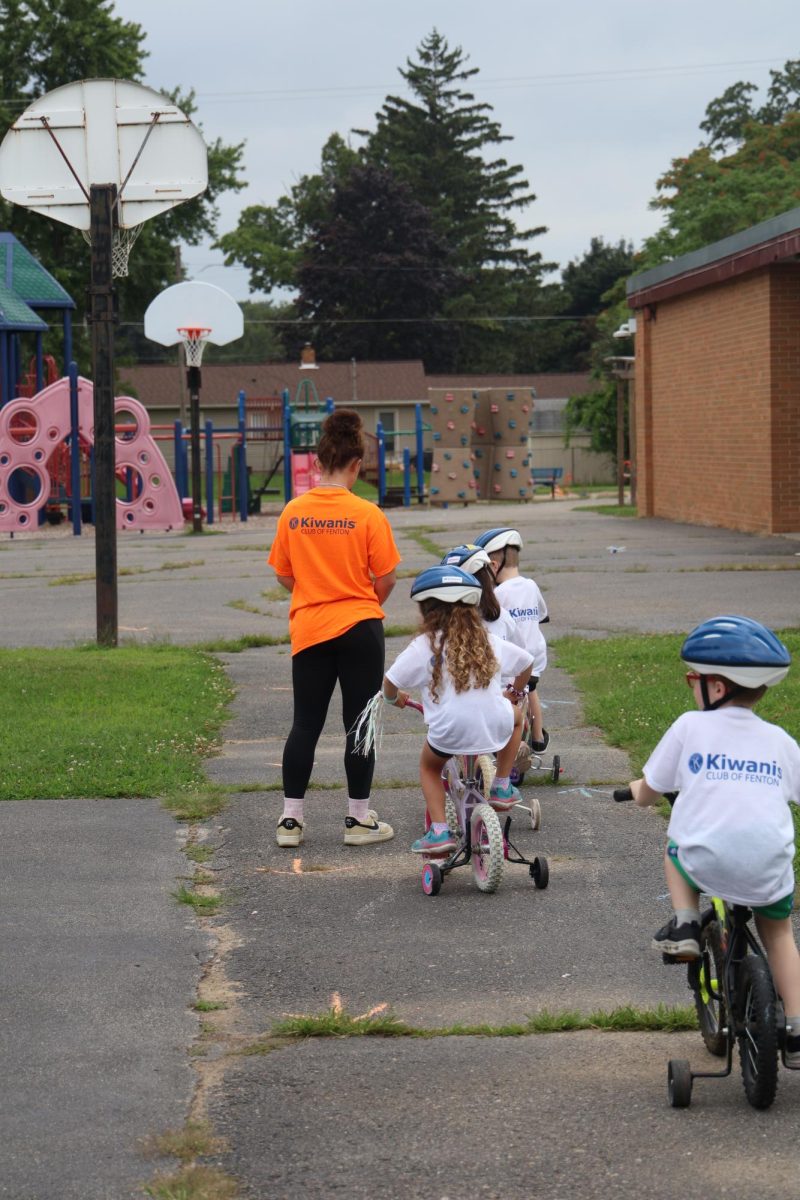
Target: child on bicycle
{"x": 731, "y": 832}
{"x": 496, "y": 619}
{"x": 520, "y": 595}
{"x": 458, "y": 667}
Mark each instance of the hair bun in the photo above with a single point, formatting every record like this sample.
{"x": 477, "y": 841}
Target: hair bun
{"x": 342, "y": 422}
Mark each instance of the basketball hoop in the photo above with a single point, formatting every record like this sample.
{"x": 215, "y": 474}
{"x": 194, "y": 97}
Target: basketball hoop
{"x": 194, "y": 343}
{"x": 121, "y": 243}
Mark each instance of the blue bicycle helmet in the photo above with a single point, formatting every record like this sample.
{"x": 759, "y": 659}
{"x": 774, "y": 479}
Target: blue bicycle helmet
{"x": 450, "y": 584}
{"x": 469, "y": 558}
{"x": 738, "y": 648}
{"x": 498, "y": 539}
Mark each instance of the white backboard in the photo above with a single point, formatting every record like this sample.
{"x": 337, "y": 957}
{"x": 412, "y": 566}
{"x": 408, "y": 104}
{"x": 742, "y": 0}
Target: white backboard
{"x": 193, "y": 305}
{"x": 91, "y": 132}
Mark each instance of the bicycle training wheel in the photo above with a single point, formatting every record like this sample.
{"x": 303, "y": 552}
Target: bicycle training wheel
{"x": 487, "y": 848}
{"x": 758, "y": 1039}
{"x": 705, "y": 980}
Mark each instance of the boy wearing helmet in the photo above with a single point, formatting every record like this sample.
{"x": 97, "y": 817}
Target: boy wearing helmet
{"x": 731, "y": 832}
{"x": 458, "y": 667}
{"x": 520, "y": 595}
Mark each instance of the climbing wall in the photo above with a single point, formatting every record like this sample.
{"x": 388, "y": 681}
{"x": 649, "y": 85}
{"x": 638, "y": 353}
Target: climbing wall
{"x": 32, "y": 429}
{"x": 451, "y": 415}
{"x": 510, "y": 414}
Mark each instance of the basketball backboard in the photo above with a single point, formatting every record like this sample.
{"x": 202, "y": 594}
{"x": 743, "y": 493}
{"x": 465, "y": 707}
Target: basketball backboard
{"x": 102, "y": 131}
{"x": 192, "y": 305}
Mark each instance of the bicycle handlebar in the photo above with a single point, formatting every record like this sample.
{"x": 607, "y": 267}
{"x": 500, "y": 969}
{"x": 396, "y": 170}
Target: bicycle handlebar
{"x": 413, "y": 704}
{"x": 623, "y": 794}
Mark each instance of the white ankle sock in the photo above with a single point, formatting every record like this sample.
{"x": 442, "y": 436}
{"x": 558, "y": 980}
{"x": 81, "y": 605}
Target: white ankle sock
{"x": 685, "y": 916}
{"x": 358, "y": 808}
{"x": 293, "y": 809}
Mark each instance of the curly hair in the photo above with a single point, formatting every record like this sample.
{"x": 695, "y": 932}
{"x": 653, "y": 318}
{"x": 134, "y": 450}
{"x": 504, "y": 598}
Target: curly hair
{"x": 460, "y": 643}
{"x": 341, "y": 441}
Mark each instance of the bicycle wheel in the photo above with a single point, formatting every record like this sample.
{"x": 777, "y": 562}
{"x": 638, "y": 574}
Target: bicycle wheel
{"x": 487, "y": 848}
{"x": 705, "y": 980}
{"x": 485, "y": 773}
{"x": 451, "y": 816}
{"x": 758, "y": 1036}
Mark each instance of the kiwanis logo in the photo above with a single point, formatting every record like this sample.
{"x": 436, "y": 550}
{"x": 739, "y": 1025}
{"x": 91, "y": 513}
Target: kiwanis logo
{"x": 294, "y": 522}
{"x": 696, "y": 763}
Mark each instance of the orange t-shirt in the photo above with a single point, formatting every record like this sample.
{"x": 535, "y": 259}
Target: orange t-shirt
{"x": 332, "y": 543}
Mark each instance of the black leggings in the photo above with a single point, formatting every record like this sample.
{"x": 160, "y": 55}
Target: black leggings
{"x": 356, "y": 659}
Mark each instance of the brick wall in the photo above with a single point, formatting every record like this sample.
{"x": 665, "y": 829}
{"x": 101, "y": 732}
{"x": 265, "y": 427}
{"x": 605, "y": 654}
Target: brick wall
{"x": 718, "y": 416}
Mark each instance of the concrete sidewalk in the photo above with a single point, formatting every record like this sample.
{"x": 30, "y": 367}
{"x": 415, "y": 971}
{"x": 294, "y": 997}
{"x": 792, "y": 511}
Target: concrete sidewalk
{"x": 99, "y": 1059}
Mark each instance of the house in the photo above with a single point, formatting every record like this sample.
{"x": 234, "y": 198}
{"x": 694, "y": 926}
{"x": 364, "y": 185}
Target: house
{"x": 717, "y": 382}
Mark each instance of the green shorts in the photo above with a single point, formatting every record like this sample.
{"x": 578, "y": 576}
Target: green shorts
{"x": 777, "y": 911}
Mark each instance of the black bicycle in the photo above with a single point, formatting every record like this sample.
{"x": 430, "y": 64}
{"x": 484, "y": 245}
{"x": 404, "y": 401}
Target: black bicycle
{"x": 735, "y": 1000}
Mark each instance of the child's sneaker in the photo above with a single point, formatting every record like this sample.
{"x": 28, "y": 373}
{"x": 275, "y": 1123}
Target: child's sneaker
{"x": 364, "y": 833}
{"x": 680, "y": 942}
{"x": 540, "y": 747}
{"x": 504, "y": 798}
{"x": 434, "y": 843}
{"x": 791, "y": 1051}
{"x": 290, "y": 832}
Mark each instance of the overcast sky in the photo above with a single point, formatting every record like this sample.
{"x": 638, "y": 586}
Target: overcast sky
{"x": 598, "y": 97}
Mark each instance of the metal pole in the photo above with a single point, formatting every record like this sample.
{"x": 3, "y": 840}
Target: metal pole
{"x": 74, "y": 449}
{"x": 102, "y": 316}
{"x": 193, "y": 383}
{"x": 620, "y": 441}
{"x": 632, "y": 433}
{"x": 210, "y": 471}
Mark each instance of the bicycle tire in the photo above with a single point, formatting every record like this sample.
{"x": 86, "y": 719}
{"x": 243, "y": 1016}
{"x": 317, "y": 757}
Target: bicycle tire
{"x": 758, "y": 1032}
{"x": 486, "y": 838}
{"x": 705, "y": 979}
{"x": 485, "y": 773}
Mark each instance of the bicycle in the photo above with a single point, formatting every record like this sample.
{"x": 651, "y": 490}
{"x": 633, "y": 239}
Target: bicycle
{"x": 482, "y": 840}
{"x": 736, "y": 1003}
{"x": 529, "y": 759}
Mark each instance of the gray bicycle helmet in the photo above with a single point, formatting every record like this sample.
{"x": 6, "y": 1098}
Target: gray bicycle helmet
{"x": 469, "y": 558}
{"x": 498, "y": 539}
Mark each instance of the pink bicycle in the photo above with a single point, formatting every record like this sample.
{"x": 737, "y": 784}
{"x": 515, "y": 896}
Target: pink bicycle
{"x": 482, "y": 841}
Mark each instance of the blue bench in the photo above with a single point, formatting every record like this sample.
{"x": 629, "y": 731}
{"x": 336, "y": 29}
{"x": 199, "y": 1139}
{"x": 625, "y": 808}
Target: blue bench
{"x": 546, "y": 477}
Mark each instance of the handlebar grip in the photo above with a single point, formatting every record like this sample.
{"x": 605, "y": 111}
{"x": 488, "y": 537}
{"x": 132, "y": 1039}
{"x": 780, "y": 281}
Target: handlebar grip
{"x": 622, "y": 794}
{"x": 414, "y": 704}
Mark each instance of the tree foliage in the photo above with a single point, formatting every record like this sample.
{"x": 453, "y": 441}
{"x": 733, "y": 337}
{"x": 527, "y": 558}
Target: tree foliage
{"x": 48, "y": 43}
{"x": 442, "y": 146}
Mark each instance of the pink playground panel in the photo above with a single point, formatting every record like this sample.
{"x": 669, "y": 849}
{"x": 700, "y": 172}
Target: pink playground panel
{"x": 30, "y": 431}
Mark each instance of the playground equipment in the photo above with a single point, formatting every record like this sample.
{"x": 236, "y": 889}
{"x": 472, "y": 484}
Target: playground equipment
{"x": 301, "y": 433}
{"x": 33, "y": 430}
{"x": 195, "y": 314}
{"x": 103, "y": 155}
{"x": 452, "y": 418}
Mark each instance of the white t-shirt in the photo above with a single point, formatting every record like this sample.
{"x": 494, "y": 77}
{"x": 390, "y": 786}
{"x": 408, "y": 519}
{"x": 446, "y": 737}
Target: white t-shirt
{"x": 478, "y": 721}
{"x": 505, "y": 628}
{"x": 525, "y": 603}
{"x": 736, "y": 775}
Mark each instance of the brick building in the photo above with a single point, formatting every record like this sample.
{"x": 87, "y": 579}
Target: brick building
{"x": 717, "y": 382}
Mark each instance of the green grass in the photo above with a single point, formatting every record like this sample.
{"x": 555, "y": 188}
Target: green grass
{"x": 94, "y": 722}
{"x": 338, "y": 1023}
{"x": 633, "y": 689}
{"x": 204, "y": 906}
{"x": 612, "y": 510}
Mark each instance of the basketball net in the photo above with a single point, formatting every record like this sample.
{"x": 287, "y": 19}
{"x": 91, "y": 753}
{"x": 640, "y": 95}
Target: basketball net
{"x": 121, "y": 242}
{"x": 194, "y": 343}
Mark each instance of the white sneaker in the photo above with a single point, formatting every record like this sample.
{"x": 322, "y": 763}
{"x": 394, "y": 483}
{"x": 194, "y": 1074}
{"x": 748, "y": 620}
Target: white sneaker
{"x": 289, "y": 832}
{"x": 364, "y": 833}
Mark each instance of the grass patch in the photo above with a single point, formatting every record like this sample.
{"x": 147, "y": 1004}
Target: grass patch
{"x": 245, "y": 606}
{"x": 198, "y": 852}
{"x": 611, "y": 510}
{"x": 204, "y": 906}
{"x": 391, "y": 631}
{"x": 420, "y": 536}
{"x": 96, "y": 722}
{"x": 194, "y": 1139}
{"x": 337, "y": 1022}
{"x": 193, "y": 1183}
{"x": 209, "y": 1005}
{"x": 196, "y": 805}
{"x": 633, "y": 689}
{"x": 248, "y": 641}
{"x": 781, "y": 565}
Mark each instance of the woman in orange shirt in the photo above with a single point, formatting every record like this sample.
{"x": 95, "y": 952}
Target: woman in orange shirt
{"x": 336, "y": 554}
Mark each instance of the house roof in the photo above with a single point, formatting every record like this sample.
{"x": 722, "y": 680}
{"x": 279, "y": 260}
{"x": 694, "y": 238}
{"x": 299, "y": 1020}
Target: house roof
{"x": 159, "y": 385}
{"x": 25, "y": 275}
{"x": 15, "y": 316}
{"x": 768, "y": 242}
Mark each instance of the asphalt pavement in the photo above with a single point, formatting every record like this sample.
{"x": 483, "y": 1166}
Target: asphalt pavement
{"x": 101, "y": 967}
